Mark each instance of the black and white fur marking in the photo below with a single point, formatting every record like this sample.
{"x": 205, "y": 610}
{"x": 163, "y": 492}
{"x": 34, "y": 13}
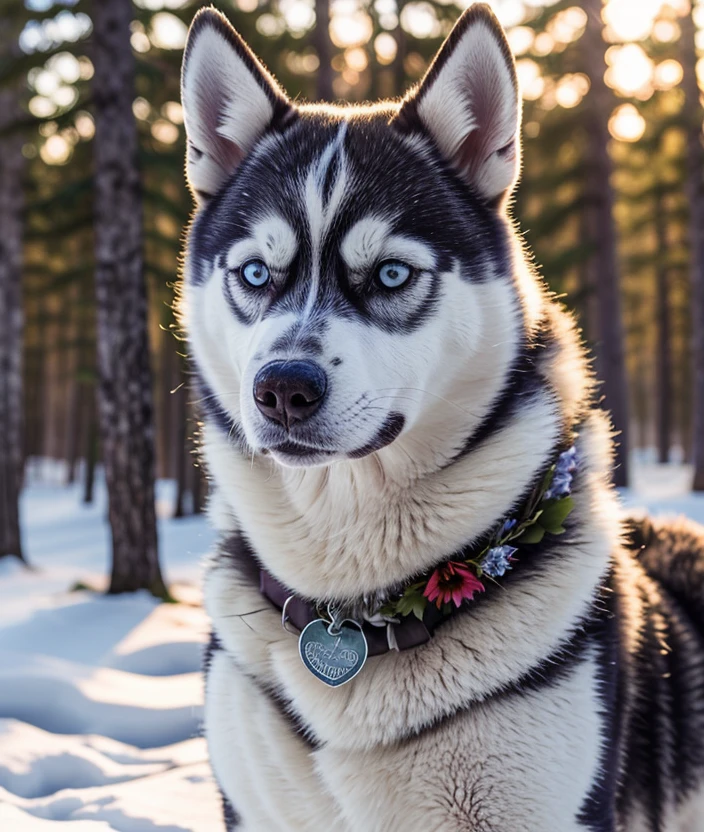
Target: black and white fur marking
{"x": 571, "y": 696}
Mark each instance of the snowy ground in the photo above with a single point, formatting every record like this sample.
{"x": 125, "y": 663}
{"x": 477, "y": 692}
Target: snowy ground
{"x": 100, "y": 698}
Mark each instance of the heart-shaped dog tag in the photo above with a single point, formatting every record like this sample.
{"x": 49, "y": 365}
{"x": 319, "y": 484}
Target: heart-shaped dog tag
{"x": 334, "y": 653}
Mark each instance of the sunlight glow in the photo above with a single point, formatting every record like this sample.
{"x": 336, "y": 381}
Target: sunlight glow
{"x": 356, "y": 59}
{"x": 630, "y": 70}
{"x": 65, "y": 97}
{"x": 173, "y": 111}
{"x": 84, "y": 125}
{"x": 385, "y": 47}
{"x": 420, "y": 20}
{"x": 509, "y": 12}
{"x": 299, "y": 15}
{"x": 141, "y": 108}
{"x": 271, "y": 26}
{"x": 140, "y": 42}
{"x": 567, "y": 25}
{"x": 39, "y": 36}
{"x": 520, "y": 39}
{"x": 86, "y": 67}
{"x": 352, "y": 29}
{"x": 164, "y": 131}
{"x": 571, "y": 89}
{"x": 666, "y": 31}
{"x": 157, "y": 5}
{"x": 55, "y": 150}
{"x": 529, "y": 79}
{"x": 66, "y": 67}
{"x": 45, "y": 82}
{"x": 626, "y": 123}
{"x": 543, "y": 44}
{"x": 41, "y": 107}
{"x": 302, "y": 64}
{"x": 630, "y": 20}
{"x": 167, "y": 31}
{"x": 668, "y": 74}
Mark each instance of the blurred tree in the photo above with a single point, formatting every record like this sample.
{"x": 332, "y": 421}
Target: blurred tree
{"x": 603, "y": 264}
{"x": 125, "y": 381}
{"x": 323, "y": 48}
{"x": 664, "y": 326}
{"x": 694, "y": 116}
{"x": 12, "y": 171}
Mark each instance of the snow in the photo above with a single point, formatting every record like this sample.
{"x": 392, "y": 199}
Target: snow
{"x": 101, "y": 697}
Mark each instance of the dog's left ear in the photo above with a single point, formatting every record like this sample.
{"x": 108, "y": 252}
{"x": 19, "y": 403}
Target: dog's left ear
{"x": 229, "y": 102}
{"x": 470, "y": 105}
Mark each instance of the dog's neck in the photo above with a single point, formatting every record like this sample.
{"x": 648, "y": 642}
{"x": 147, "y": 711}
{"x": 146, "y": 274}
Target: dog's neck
{"x": 356, "y": 528}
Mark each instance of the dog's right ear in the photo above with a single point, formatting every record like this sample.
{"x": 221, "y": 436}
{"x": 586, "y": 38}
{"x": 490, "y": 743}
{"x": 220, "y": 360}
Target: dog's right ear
{"x": 469, "y": 104}
{"x": 229, "y": 101}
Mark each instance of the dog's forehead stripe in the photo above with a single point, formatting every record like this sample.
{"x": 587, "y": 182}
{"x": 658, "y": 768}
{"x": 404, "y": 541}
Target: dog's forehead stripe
{"x": 323, "y": 196}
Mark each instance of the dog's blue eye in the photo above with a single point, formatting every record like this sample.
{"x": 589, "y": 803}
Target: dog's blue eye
{"x": 256, "y": 273}
{"x": 393, "y": 274}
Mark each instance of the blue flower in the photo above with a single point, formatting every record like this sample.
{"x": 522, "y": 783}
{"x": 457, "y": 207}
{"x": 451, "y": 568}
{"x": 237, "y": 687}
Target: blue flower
{"x": 561, "y": 485}
{"x": 497, "y": 560}
{"x": 507, "y": 527}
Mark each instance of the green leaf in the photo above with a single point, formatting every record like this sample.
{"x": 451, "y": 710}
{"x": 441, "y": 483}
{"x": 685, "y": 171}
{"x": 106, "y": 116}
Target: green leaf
{"x": 419, "y": 607}
{"x": 555, "y": 515}
{"x": 533, "y": 534}
{"x": 411, "y": 602}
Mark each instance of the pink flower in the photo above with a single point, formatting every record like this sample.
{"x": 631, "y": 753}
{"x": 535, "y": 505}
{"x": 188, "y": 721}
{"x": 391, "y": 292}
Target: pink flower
{"x": 452, "y": 582}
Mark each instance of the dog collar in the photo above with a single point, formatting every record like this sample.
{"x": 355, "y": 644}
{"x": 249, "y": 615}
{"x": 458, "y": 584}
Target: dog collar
{"x": 335, "y": 647}
{"x": 382, "y": 637}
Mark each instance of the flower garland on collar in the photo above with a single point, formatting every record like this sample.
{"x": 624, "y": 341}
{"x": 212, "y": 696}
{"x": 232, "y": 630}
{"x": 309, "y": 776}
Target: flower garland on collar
{"x": 457, "y": 581}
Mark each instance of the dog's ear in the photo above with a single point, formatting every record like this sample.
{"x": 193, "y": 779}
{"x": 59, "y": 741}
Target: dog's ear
{"x": 470, "y": 105}
{"x": 229, "y": 101}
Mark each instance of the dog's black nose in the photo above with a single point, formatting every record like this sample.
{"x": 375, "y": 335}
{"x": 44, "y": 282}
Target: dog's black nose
{"x": 289, "y": 391}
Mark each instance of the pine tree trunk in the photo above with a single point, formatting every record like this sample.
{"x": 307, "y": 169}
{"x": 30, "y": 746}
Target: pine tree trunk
{"x": 605, "y": 279}
{"x": 91, "y": 447}
{"x": 125, "y": 397}
{"x": 664, "y": 359}
{"x": 12, "y": 168}
{"x": 199, "y": 488}
{"x": 695, "y": 196}
{"x": 323, "y": 48}
{"x": 398, "y": 65}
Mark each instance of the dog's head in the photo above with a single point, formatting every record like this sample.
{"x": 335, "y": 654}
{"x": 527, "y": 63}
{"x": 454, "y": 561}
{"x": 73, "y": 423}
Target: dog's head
{"x": 349, "y": 274}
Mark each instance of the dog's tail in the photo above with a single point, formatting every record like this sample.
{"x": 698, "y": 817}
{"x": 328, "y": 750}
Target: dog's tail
{"x": 671, "y": 550}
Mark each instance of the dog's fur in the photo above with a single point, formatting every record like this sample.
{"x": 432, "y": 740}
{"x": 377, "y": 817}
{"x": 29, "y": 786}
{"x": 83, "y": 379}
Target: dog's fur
{"x": 568, "y": 697}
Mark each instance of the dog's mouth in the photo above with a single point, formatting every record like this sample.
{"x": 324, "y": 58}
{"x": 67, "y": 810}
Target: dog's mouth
{"x": 295, "y": 454}
{"x": 296, "y": 449}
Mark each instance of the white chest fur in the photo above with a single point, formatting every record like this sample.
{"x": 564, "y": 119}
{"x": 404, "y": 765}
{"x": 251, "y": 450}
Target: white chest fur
{"x": 522, "y": 762}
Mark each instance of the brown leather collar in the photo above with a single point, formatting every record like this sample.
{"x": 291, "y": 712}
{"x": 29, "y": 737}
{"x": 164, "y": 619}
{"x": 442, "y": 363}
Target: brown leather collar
{"x": 408, "y": 633}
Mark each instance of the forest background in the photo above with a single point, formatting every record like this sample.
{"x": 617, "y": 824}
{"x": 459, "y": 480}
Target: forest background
{"x": 91, "y": 150}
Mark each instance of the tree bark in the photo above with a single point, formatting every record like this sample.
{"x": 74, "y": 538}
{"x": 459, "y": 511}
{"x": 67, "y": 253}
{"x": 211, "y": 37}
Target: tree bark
{"x": 91, "y": 447}
{"x": 694, "y": 114}
{"x": 12, "y": 169}
{"x": 125, "y": 397}
{"x": 323, "y": 48}
{"x": 398, "y": 65}
{"x": 604, "y": 267}
{"x": 664, "y": 336}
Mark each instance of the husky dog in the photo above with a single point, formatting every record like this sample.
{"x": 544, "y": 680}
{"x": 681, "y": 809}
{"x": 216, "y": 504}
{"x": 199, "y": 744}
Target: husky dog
{"x": 384, "y": 383}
